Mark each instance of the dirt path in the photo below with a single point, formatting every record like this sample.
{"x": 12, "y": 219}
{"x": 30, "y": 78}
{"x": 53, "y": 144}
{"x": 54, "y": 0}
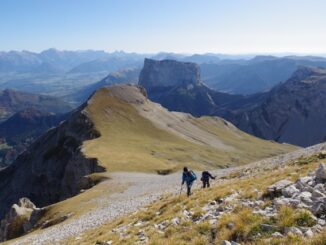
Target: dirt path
{"x": 143, "y": 189}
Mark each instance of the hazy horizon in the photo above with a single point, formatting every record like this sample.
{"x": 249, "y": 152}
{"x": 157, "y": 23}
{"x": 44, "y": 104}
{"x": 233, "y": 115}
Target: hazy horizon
{"x": 184, "y": 26}
{"x": 176, "y": 53}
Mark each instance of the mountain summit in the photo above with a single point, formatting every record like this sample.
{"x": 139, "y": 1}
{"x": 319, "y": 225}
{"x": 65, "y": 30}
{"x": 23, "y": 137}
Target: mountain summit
{"x": 177, "y": 86}
{"x": 168, "y": 74}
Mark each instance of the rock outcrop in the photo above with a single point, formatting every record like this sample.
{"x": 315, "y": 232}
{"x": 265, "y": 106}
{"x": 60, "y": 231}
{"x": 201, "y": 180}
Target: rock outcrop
{"x": 19, "y": 220}
{"x": 53, "y": 168}
{"x": 168, "y": 73}
{"x": 307, "y": 192}
{"x": 178, "y": 87}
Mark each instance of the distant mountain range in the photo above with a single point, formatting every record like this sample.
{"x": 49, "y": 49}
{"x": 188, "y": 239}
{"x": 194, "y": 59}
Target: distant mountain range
{"x": 55, "y": 61}
{"x": 56, "y": 72}
{"x": 259, "y": 74}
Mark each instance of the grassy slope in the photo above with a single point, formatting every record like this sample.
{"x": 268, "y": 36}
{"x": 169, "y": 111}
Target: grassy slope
{"x": 130, "y": 142}
{"x": 187, "y": 233}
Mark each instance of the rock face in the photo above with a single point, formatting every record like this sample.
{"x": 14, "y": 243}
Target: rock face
{"x": 19, "y": 220}
{"x": 178, "y": 87}
{"x": 53, "y": 167}
{"x": 168, "y": 73}
{"x": 293, "y": 112}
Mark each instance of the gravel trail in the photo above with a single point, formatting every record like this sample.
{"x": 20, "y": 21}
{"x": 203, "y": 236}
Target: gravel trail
{"x": 143, "y": 189}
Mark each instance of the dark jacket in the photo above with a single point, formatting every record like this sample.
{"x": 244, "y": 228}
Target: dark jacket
{"x": 187, "y": 177}
{"x": 206, "y": 175}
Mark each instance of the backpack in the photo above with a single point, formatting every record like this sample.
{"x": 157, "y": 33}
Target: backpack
{"x": 192, "y": 176}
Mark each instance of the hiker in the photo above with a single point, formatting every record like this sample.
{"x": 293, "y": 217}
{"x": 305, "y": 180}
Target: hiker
{"x": 188, "y": 177}
{"x": 205, "y": 176}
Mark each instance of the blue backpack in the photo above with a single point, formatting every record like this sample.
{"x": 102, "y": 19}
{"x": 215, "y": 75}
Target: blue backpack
{"x": 192, "y": 176}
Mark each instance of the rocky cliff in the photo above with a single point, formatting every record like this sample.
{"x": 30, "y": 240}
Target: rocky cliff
{"x": 293, "y": 112}
{"x": 178, "y": 87}
{"x": 53, "y": 167}
{"x": 168, "y": 73}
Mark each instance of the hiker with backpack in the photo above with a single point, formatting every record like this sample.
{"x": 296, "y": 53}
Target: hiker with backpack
{"x": 205, "y": 176}
{"x": 188, "y": 177}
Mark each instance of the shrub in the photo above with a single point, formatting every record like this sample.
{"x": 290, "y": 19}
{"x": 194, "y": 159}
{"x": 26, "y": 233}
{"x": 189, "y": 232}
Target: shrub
{"x": 304, "y": 218}
{"x": 245, "y": 226}
{"x": 286, "y": 217}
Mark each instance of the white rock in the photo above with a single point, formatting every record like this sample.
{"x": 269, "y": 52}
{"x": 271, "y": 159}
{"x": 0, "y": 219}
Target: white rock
{"x": 317, "y": 228}
{"x": 175, "y": 221}
{"x": 234, "y": 243}
{"x": 293, "y": 230}
{"x": 290, "y": 191}
{"x": 226, "y": 243}
{"x": 306, "y": 179}
{"x": 309, "y": 233}
{"x": 305, "y": 194}
{"x": 278, "y": 186}
{"x": 320, "y": 187}
{"x": 317, "y": 194}
{"x": 277, "y": 235}
{"x": 321, "y": 222}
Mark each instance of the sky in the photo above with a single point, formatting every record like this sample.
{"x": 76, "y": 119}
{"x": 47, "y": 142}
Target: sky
{"x": 148, "y": 26}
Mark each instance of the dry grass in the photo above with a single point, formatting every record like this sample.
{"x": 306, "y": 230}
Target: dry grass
{"x": 246, "y": 225}
{"x": 130, "y": 142}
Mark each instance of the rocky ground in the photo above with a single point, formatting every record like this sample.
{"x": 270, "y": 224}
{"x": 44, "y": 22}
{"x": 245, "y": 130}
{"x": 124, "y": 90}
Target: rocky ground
{"x": 146, "y": 188}
{"x": 307, "y": 195}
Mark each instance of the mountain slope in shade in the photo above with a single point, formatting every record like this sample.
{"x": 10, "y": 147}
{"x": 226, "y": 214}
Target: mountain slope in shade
{"x": 178, "y": 86}
{"x": 119, "y": 129}
{"x": 293, "y": 112}
{"x": 29, "y": 123}
{"x": 12, "y": 101}
{"x": 20, "y": 130}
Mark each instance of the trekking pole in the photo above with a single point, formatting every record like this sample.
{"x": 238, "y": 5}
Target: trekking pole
{"x": 180, "y": 190}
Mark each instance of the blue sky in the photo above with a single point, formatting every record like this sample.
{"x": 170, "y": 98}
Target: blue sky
{"x": 184, "y": 26}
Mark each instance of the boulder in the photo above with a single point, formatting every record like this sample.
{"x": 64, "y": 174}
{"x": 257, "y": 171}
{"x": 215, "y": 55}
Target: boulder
{"x": 19, "y": 220}
{"x": 277, "y": 235}
{"x": 290, "y": 191}
{"x": 318, "y": 208}
{"x": 317, "y": 194}
{"x": 293, "y": 230}
{"x": 320, "y": 187}
{"x": 321, "y": 173}
{"x": 309, "y": 233}
{"x": 276, "y": 188}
